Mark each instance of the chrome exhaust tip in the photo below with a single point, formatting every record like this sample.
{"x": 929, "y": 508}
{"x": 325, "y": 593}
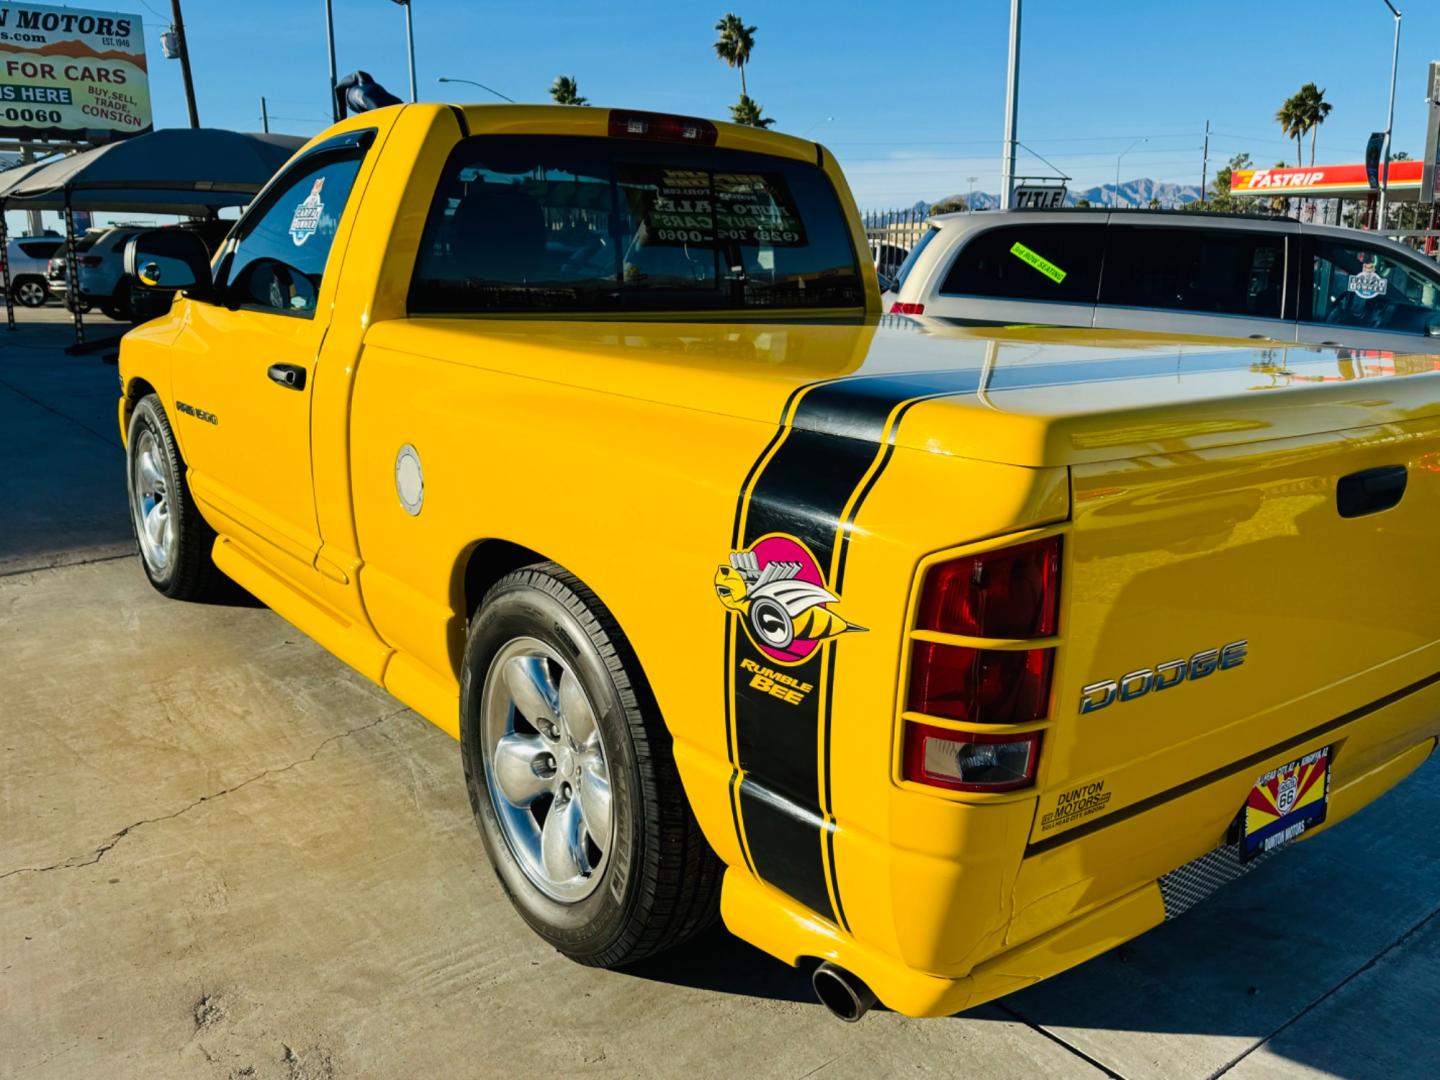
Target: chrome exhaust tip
{"x": 841, "y": 992}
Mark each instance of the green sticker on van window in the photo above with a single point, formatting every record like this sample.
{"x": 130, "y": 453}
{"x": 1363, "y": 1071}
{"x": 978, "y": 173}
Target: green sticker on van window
{"x": 1039, "y": 262}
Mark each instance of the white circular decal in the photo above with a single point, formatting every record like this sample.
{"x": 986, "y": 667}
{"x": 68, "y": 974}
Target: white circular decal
{"x": 409, "y": 479}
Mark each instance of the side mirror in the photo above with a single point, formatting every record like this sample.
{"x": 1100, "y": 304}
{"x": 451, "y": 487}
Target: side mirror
{"x": 169, "y": 259}
{"x": 887, "y": 284}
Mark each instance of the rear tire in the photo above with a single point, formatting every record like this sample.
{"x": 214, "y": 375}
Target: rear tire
{"x": 653, "y": 881}
{"x": 30, "y": 291}
{"x": 174, "y": 540}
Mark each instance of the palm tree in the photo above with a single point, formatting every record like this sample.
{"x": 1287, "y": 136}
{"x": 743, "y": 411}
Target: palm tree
{"x": 748, "y": 112}
{"x": 1314, "y": 109}
{"x": 1290, "y": 117}
{"x": 566, "y": 91}
{"x": 734, "y": 44}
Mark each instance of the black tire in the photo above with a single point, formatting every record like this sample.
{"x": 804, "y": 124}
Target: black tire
{"x": 30, "y": 291}
{"x": 661, "y": 883}
{"x": 110, "y": 311}
{"x": 189, "y": 574}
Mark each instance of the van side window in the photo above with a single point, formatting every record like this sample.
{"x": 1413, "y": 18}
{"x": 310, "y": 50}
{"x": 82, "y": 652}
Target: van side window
{"x": 1040, "y": 261}
{"x": 279, "y": 261}
{"x": 1216, "y": 271}
{"x": 1359, "y": 285}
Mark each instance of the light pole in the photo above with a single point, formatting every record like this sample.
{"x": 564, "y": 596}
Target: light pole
{"x": 330, "y": 48}
{"x": 472, "y": 82}
{"x": 970, "y": 198}
{"x": 1390, "y": 117}
{"x": 410, "y": 43}
{"x": 1012, "y": 98}
{"x": 1115, "y": 194}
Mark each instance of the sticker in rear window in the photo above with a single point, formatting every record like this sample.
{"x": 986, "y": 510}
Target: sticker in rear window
{"x": 306, "y": 218}
{"x": 1038, "y": 261}
{"x": 1367, "y": 284}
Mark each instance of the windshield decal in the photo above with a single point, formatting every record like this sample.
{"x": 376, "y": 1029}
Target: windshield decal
{"x": 306, "y": 219}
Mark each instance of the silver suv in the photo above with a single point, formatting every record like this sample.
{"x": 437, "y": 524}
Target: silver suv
{"x": 1268, "y": 279}
{"x": 29, "y": 256}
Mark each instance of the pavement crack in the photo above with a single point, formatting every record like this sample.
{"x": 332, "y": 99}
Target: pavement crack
{"x": 110, "y": 440}
{"x": 93, "y": 857}
{"x": 1361, "y": 970}
{"x": 1040, "y": 1029}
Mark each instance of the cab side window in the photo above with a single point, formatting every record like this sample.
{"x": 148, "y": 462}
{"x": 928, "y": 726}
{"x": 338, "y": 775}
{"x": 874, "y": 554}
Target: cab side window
{"x": 1041, "y": 261}
{"x": 1363, "y": 286}
{"x": 1212, "y": 271}
{"x": 279, "y": 261}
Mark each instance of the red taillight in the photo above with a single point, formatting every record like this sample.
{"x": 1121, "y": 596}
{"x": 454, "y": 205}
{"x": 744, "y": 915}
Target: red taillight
{"x": 629, "y": 124}
{"x": 969, "y": 761}
{"x": 903, "y": 307}
{"x": 90, "y": 261}
{"x": 1010, "y": 593}
{"x": 980, "y": 686}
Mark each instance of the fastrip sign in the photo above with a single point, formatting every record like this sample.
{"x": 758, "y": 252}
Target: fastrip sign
{"x": 1333, "y": 180}
{"x": 72, "y": 74}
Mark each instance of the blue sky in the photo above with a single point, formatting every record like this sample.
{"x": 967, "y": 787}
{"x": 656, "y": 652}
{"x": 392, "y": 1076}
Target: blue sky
{"x": 909, "y": 97}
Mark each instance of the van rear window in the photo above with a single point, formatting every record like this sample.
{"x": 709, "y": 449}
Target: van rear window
{"x": 576, "y": 224}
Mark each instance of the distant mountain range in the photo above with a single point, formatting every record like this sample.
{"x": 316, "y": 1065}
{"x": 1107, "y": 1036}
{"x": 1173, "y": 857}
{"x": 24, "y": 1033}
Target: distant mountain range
{"x": 1132, "y": 193}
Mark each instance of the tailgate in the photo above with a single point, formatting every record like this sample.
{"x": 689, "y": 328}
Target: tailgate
{"x": 1174, "y": 557}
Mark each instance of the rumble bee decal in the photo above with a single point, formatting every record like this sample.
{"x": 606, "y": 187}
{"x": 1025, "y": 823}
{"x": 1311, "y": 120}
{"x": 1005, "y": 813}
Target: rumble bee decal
{"x": 777, "y": 589}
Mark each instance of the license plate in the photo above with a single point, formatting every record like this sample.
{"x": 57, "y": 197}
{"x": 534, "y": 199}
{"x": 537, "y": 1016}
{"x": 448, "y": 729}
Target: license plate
{"x": 1284, "y": 803}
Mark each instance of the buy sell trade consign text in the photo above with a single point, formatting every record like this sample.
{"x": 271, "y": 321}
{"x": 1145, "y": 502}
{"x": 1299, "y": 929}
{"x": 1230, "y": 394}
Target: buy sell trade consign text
{"x": 72, "y": 74}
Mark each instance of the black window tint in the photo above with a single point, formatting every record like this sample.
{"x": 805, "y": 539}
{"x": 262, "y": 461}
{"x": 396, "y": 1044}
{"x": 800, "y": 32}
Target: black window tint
{"x": 1034, "y": 261}
{"x": 1358, "y": 285}
{"x": 280, "y": 259}
{"x": 1213, "y": 271}
{"x": 533, "y": 223}
{"x": 40, "y": 249}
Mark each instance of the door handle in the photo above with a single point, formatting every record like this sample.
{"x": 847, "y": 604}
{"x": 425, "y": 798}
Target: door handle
{"x": 1370, "y": 491}
{"x": 290, "y": 376}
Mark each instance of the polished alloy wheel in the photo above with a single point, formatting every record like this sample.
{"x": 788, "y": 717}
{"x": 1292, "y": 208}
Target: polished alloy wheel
{"x": 150, "y": 502}
{"x": 546, "y": 770}
{"x": 30, "y": 293}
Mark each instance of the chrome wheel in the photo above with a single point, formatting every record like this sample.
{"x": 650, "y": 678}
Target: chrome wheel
{"x": 150, "y": 484}
{"x": 546, "y": 770}
{"x": 30, "y": 293}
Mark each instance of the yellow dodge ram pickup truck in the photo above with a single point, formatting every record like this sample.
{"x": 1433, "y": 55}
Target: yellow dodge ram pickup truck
{"x": 945, "y": 660}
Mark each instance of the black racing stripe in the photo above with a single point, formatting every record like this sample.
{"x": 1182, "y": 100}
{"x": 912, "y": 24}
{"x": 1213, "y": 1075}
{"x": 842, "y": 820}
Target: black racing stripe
{"x": 801, "y": 486}
{"x": 730, "y": 752}
{"x": 779, "y": 832}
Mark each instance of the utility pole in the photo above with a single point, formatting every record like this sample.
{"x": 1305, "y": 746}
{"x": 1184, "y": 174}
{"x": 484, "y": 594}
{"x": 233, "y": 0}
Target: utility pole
{"x": 1012, "y": 97}
{"x": 410, "y": 42}
{"x": 330, "y": 46}
{"x": 264, "y": 116}
{"x": 185, "y": 62}
{"x": 970, "y": 198}
{"x": 1390, "y": 119}
{"x": 1205, "y": 163}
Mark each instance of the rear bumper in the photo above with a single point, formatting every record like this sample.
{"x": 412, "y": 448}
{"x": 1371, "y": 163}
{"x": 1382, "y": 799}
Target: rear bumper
{"x": 1074, "y": 899}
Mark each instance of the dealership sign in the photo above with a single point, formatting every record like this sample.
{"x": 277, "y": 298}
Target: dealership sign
{"x": 71, "y": 74}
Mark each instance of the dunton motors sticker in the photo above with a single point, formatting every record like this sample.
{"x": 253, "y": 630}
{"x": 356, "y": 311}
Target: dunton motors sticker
{"x": 778, "y": 591}
{"x": 306, "y": 218}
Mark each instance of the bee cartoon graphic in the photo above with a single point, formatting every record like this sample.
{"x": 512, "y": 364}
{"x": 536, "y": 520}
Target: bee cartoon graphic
{"x": 776, "y": 588}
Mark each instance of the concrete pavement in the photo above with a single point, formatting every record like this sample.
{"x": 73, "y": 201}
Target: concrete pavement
{"x": 223, "y": 854}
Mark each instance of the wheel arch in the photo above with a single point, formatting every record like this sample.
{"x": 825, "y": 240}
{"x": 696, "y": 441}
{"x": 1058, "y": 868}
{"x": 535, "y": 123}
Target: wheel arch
{"x": 135, "y": 389}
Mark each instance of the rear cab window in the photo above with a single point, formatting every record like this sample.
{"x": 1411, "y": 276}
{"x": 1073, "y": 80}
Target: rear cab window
{"x": 1032, "y": 261}
{"x": 562, "y": 224}
{"x": 39, "y": 249}
{"x": 1202, "y": 270}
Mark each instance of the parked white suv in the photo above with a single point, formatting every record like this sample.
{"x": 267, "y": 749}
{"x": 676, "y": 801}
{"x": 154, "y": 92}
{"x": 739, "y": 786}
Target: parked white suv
{"x": 29, "y": 256}
{"x": 1270, "y": 279}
